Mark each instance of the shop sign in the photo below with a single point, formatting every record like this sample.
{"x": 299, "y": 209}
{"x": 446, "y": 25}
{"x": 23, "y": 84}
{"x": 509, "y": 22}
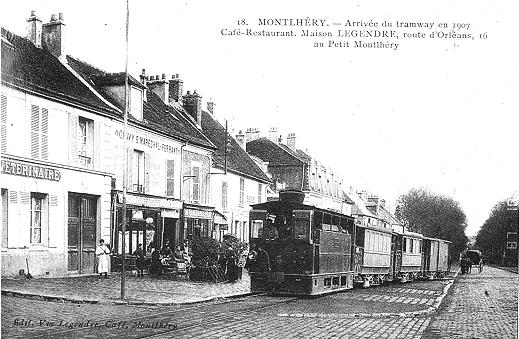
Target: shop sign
{"x": 31, "y": 171}
{"x": 148, "y": 142}
{"x": 198, "y": 214}
{"x": 139, "y": 200}
{"x": 174, "y": 214}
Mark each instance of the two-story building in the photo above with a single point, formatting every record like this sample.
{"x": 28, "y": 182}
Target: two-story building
{"x": 236, "y": 180}
{"x": 55, "y": 182}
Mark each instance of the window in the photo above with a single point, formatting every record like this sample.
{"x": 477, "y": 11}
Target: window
{"x": 242, "y": 191}
{"x": 256, "y": 229}
{"x": 224, "y": 195}
{"x": 4, "y": 217}
{"x": 137, "y": 171}
{"x": 195, "y": 182}
{"x": 511, "y": 245}
{"x": 38, "y": 221}
{"x": 170, "y": 178}
{"x": 404, "y": 245}
{"x": 85, "y": 142}
{"x": 237, "y": 229}
{"x": 3, "y": 125}
{"x": 260, "y": 193}
{"x": 39, "y": 133}
{"x": 136, "y": 102}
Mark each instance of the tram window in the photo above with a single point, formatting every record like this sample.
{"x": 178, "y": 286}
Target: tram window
{"x": 404, "y": 245}
{"x": 344, "y": 225}
{"x": 327, "y": 282}
{"x": 335, "y": 281}
{"x": 318, "y": 220}
{"x": 343, "y": 280}
{"x": 335, "y": 228}
{"x": 327, "y": 227}
{"x": 257, "y": 229}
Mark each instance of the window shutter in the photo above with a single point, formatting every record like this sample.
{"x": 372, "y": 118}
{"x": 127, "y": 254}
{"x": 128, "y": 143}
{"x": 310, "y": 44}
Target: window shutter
{"x": 72, "y": 139}
{"x": 96, "y": 152}
{"x": 147, "y": 168}
{"x": 3, "y": 131}
{"x": 45, "y": 134}
{"x": 35, "y": 131}
{"x": 170, "y": 177}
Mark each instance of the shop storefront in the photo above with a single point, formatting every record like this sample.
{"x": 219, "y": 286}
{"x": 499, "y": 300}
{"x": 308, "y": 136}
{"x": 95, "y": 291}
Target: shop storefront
{"x": 151, "y": 221}
{"x": 52, "y": 217}
{"x": 198, "y": 221}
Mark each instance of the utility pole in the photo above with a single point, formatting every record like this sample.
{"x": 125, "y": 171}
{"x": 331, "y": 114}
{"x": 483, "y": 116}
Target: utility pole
{"x": 125, "y": 167}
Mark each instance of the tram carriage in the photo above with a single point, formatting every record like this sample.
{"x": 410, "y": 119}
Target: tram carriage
{"x": 306, "y": 250}
{"x": 372, "y": 258}
{"x": 435, "y": 263}
{"x": 408, "y": 256}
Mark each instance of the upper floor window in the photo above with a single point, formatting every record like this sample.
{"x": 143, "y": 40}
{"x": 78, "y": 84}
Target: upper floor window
{"x": 512, "y": 245}
{"x": 85, "y": 141}
{"x": 137, "y": 171}
{"x": 195, "y": 183}
{"x": 170, "y": 177}
{"x": 224, "y": 195}
{"x": 136, "y": 102}
{"x": 260, "y": 193}
{"x": 242, "y": 191}
{"x": 39, "y": 132}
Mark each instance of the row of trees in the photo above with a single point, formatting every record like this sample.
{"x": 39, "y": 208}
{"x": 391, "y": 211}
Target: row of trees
{"x": 491, "y": 238}
{"x": 434, "y": 216}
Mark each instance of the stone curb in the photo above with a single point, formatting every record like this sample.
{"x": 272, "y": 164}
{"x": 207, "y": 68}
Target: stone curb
{"x": 427, "y": 311}
{"x": 116, "y": 302}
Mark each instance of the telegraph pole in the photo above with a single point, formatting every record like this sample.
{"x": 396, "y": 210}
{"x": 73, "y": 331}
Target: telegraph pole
{"x": 125, "y": 167}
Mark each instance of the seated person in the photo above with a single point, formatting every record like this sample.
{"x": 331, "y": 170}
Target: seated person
{"x": 179, "y": 254}
{"x": 139, "y": 253}
{"x": 166, "y": 251}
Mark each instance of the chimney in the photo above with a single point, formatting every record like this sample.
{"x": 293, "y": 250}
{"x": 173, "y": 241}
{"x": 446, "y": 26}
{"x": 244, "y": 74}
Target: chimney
{"x": 252, "y": 134}
{"x": 193, "y": 105}
{"x": 210, "y": 107}
{"x": 291, "y": 141}
{"x": 273, "y": 134}
{"x": 159, "y": 87}
{"x": 34, "y": 29}
{"x": 176, "y": 87}
{"x": 53, "y": 36}
{"x": 240, "y": 138}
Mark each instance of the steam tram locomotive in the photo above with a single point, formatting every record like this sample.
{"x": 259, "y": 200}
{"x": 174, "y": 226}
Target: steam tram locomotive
{"x": 305, "y": 250}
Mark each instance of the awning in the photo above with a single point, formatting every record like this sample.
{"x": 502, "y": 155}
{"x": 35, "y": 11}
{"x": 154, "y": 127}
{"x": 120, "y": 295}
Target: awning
{"x": 219, "y": 218}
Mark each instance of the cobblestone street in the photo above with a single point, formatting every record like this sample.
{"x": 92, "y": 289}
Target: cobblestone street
{"x": 480, "y": 305}
{"x": 394, "y": 311}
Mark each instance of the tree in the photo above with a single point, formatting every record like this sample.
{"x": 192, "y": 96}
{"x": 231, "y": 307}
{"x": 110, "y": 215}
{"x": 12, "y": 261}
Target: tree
{"x": 434, "y": 216}
{"x": 491, "y": 238}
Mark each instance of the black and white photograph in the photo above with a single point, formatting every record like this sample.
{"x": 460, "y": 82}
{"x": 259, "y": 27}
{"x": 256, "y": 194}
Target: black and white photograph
{"x": 259, "y": 169}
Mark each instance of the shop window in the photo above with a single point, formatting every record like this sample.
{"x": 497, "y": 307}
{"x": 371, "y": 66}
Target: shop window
{"x": 137, "y": 177}
{"x": 85, "y": 142}
{"x": 170, "y": 178}
{"x": 195, "y": 182}
{"x": 242, "y": 191}
{"x": 38, "y": 220}
{"x": 39, "y": 132}
{"x": 4, "y": 217}
{"x": 224, "y": 195}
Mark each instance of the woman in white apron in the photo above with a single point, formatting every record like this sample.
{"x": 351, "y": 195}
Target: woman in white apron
{"x": 103, "y": 256}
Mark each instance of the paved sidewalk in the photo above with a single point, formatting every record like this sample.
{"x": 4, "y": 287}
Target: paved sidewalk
{"x": 165, "y": 290}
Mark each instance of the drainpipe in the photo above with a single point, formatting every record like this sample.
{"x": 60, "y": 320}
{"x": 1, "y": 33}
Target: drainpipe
{"x": 182, "y": 168}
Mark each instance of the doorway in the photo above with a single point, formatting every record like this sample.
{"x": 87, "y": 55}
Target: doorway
{"x": 82, "y": 216}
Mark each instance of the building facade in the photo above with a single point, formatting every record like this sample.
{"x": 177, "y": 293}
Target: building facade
{"x": 55, "y": 180}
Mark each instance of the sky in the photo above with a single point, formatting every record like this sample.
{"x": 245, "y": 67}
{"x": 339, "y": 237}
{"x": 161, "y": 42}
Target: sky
{"x": 434, "y": 113}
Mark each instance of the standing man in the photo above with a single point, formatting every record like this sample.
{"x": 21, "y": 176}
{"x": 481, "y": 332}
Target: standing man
{"x": 103, "y": 256}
